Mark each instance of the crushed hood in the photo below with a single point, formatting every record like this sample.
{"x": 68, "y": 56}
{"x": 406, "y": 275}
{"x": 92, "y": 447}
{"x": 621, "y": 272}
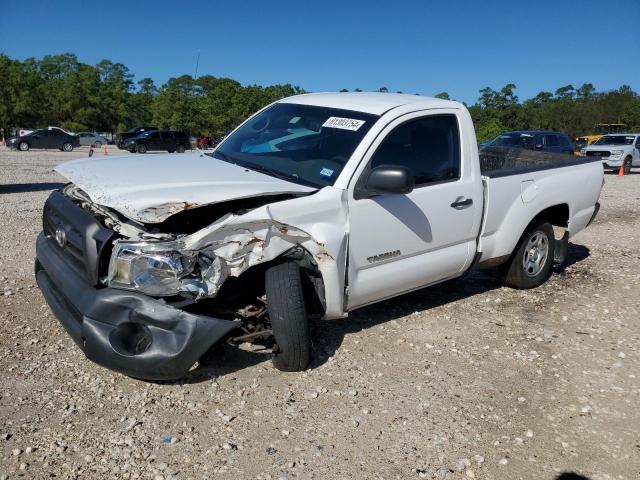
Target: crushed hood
{"x": 150, "y": 188}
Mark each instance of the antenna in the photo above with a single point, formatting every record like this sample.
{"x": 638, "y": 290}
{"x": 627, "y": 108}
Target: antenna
{"x": 197, "y": 63}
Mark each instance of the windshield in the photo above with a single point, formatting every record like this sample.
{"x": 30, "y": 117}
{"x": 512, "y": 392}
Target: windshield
{"x": 522, "y": 140}
{"x": 615, "y": 140}
{"x": 301, "y": 143}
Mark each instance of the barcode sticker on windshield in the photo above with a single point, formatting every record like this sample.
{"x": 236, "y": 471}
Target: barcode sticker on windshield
{"x": 343, "y": 123}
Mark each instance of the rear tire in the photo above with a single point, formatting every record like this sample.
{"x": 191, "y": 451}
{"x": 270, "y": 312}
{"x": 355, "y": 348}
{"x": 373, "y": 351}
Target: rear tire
{"x": 530, "y": 264}
{"x": 627, "y": 165}
{"x": 141, "y": 149}
{"x": 288, "y": 315}
{"x": 180, "y": 149}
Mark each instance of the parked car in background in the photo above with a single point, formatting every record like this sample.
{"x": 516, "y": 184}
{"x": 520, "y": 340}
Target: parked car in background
{"x": 93, "y": 139}
{"x": 121, "y": 138}
{"x": 615, "y": 151}
{"x": 45, "y": 138}
{"x": 158, "y": 140}
{"x": 535, "y": 140}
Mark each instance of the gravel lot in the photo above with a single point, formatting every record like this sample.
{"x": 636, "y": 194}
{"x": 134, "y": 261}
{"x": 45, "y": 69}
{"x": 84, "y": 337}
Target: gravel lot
{"x": 464, "y": 380}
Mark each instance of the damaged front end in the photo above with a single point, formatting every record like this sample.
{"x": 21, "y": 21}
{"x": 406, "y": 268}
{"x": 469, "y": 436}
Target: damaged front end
{"x": 188, "y": 256}
{"x": 197, "y": 265}
{"x": 149, "y": 303}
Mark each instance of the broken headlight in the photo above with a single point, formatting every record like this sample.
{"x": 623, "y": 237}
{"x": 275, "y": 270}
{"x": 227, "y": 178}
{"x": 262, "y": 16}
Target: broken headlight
{"x": 155, "y": 269}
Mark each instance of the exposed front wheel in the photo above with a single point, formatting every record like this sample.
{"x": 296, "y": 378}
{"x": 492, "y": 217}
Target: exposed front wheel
{"x": 530, "y": 265}
{"x": 627, "y": 165}
{"x": 141, "y": 149}
{"x": 67, "y": 147}
{"x": 24, "y": 146}
{"x": 288, "y": 316}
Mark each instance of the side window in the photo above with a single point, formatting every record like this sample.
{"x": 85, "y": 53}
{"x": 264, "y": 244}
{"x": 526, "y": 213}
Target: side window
{"x": 551, "y": 141}
{"x": 637, "y": 142}
{"x": 564, "y": 141}
{"x": 429, "y": 147}
{"x": 167, "y": 136}
{"x": 154, "y": 136}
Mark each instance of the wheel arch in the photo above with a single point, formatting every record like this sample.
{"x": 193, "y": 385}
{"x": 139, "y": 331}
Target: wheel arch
{"x": 557, "y": 215}
{"x": 252, "y": 280}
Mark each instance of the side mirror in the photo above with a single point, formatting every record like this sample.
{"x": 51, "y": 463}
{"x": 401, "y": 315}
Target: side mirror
{"x": 539, "y": 146}
{"x": 389, "y": 179}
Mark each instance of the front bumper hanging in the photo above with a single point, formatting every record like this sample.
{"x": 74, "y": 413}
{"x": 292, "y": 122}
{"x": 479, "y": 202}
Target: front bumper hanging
{"x": 125, "y": 331}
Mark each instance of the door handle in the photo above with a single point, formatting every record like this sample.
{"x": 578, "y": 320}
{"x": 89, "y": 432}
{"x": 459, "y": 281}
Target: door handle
{"x": 461, "y": 203}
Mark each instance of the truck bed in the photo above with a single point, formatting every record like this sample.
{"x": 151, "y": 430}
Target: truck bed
{"x": 519, "y": 184}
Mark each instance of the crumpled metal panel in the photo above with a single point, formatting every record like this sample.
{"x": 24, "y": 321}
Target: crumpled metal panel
{"x": 150, "y": 188}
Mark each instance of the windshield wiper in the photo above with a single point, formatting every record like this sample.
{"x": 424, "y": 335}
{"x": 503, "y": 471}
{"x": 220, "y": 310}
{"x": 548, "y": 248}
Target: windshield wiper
{"x": 221, "y": 156}
{"x": 268, "y": 171}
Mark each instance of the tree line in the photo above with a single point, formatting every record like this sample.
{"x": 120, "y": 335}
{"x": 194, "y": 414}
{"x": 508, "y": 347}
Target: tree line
{"x": 59, "y": 90}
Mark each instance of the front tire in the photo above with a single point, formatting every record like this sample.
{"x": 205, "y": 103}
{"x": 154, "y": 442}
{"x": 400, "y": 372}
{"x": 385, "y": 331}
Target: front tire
{"x": 627, "y": 165}
{"x": 288, "y": 315}
{"x": 67, "y": 147}
{"x": 530, "y": 264}
{"x": 24, "y": 147}
{"x": 141, "y": 149}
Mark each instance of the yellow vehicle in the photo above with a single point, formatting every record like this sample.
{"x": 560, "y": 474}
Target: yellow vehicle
{"x": 600, "y": 129}
{"x": 584, "y": 141}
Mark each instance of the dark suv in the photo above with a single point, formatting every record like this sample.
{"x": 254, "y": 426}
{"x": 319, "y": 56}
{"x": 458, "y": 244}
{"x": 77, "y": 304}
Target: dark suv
{"x": 158, "y": 140}
{"x": 45, "y": 138}
{"x": 132, "y": 133}
{"x": 535, "y": 140}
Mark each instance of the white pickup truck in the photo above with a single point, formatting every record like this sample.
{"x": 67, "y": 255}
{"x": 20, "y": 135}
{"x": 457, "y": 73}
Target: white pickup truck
{"x": 315, "y": 206}
{"x": 615, "y": 151}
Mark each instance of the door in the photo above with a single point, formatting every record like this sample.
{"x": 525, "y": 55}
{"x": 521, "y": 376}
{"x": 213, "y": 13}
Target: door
{"x": 154, "y": 142}
{"x": 168, "y": 142}
{"x": 39, "y": 139}
{"x": 55, "y": 139}
{"x": 400, "y": 242}
{"x": 551, "y": 143}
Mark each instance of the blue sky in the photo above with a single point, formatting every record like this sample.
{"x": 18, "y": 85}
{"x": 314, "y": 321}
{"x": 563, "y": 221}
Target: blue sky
{"x": 415, "y": 46}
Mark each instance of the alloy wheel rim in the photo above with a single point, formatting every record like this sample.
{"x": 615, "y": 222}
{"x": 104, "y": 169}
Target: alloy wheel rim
{"x": 535, "y": 253}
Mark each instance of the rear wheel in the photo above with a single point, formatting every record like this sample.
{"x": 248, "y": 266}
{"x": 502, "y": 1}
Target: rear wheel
{"x": 141, "y": 149}
{"x": 288, "y": 316}
{"x": 530, "y": 265}
{"x": 627, "y": 165}
{"x": 67, "y": 147}
{"x": 180, "y": 149}
{"x": 24, "y": 146}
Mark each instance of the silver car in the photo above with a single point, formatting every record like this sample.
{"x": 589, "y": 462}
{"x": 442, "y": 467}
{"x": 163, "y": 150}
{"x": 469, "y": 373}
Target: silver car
{"x": 93, "y": 139}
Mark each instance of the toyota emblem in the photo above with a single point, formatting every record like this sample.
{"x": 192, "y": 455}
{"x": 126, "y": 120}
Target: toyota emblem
{"x": 61, "y": 237}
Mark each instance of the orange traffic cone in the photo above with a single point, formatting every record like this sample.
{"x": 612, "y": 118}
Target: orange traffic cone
{"x": 621, "y": 171}
{"x": 104, "y": 150}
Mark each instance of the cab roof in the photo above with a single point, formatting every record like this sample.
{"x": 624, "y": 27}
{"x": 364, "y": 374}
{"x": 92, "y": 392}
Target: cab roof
{"x": 375, "y": 103}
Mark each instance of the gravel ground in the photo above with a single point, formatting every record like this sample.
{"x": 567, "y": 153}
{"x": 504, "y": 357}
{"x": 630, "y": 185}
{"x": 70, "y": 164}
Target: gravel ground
{"x": 463, "y": 380}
